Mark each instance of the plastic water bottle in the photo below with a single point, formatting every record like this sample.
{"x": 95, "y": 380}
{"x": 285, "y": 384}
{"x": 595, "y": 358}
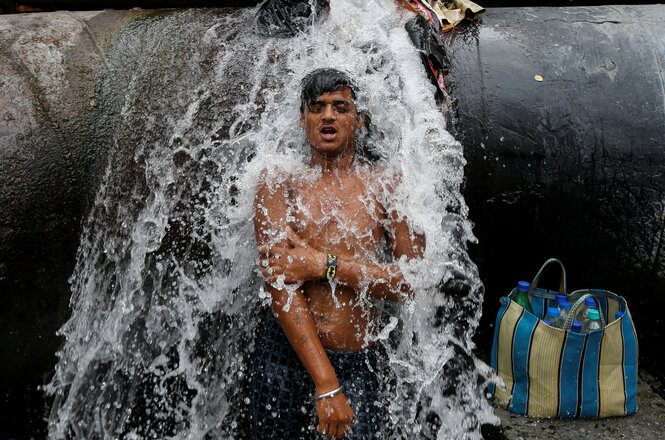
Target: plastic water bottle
{"x": 522, "y": 296}
{"x": 593, "y": 321}
{"x": 589, "y": 304}
{"x": 564, "y": 310}
{"x": 577, "y": 327}
{"x": 561, "y": 298}
{"x": 554, "y": 317}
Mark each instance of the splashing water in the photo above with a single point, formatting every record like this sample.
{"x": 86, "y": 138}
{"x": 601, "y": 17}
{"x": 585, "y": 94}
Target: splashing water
{"x": 166, "y": 298}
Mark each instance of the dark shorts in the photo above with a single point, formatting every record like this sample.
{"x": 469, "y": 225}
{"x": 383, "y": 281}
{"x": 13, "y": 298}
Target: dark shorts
{"x": 281, "y": 389}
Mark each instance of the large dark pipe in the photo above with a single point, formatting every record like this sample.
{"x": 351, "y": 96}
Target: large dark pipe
{"x": 562, "y": 115}
{"x": 49, "y": 66}
{"x": 571, "y": 166}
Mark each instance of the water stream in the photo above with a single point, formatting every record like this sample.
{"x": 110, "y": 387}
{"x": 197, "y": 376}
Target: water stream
{"x": 166, "y": 298}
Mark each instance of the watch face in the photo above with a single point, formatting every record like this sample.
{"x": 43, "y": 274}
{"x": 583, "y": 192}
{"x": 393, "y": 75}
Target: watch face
{"x": 331, "y": 271}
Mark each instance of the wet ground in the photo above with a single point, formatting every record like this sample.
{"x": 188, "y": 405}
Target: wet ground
{"x": 647, "y": 424}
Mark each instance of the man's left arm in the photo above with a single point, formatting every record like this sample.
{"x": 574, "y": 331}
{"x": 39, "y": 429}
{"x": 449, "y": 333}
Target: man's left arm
{"x": 385, "y": 281}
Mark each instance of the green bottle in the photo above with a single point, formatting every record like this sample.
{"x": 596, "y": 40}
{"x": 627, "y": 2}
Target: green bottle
{"x": 522, "y": 296}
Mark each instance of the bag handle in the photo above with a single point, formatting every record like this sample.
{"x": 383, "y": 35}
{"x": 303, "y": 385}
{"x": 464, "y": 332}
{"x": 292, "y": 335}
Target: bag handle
{"x": 573, "y": 311}
{"x": 562, "y": 286}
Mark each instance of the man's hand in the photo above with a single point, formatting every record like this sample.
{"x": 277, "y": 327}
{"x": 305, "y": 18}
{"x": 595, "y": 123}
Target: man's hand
{"x": 300, "y": 262}
{"x": 335, "y": 416}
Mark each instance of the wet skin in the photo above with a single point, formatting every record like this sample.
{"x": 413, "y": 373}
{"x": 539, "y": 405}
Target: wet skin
{"x": 333, "y": 208}
{"x": 348, "y": 228}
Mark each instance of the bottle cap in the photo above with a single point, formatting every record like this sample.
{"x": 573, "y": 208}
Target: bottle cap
{"x": 523, "y": 286}
{"x": 547, "y": 322}
{"x": 593, "y": 314}
{"x": 577, "y": 326}
{"x": 590, "y": 302}
{"x": 561, "y": 298}
{"x": 553, "y": 311}
{"x": 618, "y": 315}
{"x": 565, "y": 305}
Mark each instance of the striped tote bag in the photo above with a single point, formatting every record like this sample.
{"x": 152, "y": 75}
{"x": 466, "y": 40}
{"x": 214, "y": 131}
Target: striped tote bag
{"x": 552, "y": 372}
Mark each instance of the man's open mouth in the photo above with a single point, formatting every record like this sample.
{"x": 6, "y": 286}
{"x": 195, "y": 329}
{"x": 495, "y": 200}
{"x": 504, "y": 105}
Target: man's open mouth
{"x": 328, "y": 133}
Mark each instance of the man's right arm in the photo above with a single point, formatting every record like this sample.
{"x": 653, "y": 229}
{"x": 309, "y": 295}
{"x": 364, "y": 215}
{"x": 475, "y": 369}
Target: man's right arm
{"x": 270, "y": 219}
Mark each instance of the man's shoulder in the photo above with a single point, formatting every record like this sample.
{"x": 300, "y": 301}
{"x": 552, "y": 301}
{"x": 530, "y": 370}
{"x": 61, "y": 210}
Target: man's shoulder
{"x": 276, "y": 177}
{"x": 273, "y": 173}
{"x": 272, "y": 185}
{"x": 380, "y": 177}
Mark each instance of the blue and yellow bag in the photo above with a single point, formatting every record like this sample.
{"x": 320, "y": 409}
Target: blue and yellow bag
{"x": 552, "y": 372}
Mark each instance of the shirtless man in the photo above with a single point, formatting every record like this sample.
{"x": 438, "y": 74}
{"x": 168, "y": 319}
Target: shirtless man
{"x": 321, "y": 236}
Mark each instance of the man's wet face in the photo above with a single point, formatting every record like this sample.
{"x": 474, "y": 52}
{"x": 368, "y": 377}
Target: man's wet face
{"x": 331, "y": 122}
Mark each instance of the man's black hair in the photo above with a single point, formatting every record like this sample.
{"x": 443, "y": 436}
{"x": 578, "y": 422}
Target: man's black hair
{"x": 322, "y": 81}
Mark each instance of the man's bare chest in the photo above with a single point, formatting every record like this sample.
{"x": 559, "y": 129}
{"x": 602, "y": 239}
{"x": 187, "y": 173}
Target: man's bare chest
{"x": 342, "y": 215}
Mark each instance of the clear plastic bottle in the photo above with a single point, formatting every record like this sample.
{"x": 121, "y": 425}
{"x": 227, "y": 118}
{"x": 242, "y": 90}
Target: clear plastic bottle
{"x": 564, "y": 310}
{"x": 561, "y": 298}
{"x": 522, "y": 296}
{"x": 582, "y": 312}
{"x": 577, "y": 327}
{"x": 593, "y": 321}
{"x": 554, "y": 317}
